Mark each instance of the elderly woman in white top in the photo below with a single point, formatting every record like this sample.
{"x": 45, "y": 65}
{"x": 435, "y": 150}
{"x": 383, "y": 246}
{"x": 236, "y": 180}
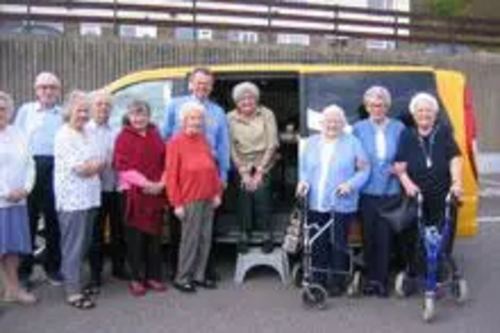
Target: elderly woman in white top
{"x": 333, "y": 167}
{"x": 77, "y": 191}
{"x": 17, "y": 175}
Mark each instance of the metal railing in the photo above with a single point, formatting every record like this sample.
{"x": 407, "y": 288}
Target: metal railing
{"x": 264, "y": 16}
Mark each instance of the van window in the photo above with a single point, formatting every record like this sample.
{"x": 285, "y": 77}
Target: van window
{"x": 347, "y": 88}
{"x": 157, "y": 93}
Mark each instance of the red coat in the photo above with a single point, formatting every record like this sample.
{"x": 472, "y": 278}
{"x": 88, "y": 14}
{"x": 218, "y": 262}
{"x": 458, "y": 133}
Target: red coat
{"x": 145, "y": 154}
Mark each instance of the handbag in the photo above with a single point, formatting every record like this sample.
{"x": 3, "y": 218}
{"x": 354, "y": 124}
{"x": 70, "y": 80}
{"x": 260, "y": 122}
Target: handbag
{"x": 400, "y": 212}
{"x": 293, "y": 235}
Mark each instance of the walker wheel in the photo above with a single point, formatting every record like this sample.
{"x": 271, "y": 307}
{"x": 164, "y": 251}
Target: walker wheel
{"x": 354, "y": 287}
{"x": 297, "y": 275}
{"x": 314, "y": 296}
{"x": 460, "y": 290}
{"x": 429, "y": 309}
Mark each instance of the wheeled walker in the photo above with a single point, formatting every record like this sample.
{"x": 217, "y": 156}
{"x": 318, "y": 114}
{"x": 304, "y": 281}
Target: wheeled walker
{"x": 313, "y": 294}
{"x": 439, "y": 271}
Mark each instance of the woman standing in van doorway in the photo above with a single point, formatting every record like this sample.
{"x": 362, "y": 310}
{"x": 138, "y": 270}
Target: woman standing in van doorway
{"x": 430, "y": 163}
{"x": 254, "y": 141}
{"x": 333, "y": 167}
{"x": 379, "y": 136}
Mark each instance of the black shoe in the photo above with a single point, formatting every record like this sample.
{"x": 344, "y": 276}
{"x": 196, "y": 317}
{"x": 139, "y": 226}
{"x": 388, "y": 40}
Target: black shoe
{"x": 184, "y": 287}
{"x": 268, "y": 246}
{"x": 207, "y": 284}
{"x": 369, "y": 290}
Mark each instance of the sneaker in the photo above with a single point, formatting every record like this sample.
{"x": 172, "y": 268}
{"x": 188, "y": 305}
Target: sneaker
{"x": 55, "y": 279}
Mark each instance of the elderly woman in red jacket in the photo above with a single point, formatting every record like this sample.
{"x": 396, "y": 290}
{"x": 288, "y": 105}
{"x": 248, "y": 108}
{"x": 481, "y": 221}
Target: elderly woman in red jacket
{"x": 194, "y": 190}
{"x": 139, "y": 160}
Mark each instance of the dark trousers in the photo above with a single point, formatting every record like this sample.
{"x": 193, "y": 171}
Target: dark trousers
{"x": 377, "y": 240}
{"x": 111, "y": 210}
{"x": 411, "y": 243}
{"x": 175, "y": 239}
{"x": 41, "y": 204}
{"x": 254, "y": 210}
{"x": 330, "y": 250}
{"x": 144, "y": 255}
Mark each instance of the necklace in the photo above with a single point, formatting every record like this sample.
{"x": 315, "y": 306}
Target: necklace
{"x": 427, "y": 149}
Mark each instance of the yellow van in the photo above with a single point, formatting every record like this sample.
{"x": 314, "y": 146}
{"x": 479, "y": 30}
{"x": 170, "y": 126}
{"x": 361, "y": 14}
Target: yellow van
{"x": 295, "y": 92}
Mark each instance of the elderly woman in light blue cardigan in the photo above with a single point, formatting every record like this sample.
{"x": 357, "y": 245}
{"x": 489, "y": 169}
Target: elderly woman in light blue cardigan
{"x": 333, "y": 168}
{"x": 379, "y": 136}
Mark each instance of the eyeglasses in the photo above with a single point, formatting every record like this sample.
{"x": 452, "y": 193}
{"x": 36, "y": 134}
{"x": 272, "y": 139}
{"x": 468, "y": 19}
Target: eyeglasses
{"x": 48, "y": 87}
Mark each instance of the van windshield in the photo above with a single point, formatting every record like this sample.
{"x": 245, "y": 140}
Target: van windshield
{"x": 347, "y": 88}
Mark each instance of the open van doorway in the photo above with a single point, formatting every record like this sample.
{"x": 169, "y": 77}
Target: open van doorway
{"x": 279, "y": 91}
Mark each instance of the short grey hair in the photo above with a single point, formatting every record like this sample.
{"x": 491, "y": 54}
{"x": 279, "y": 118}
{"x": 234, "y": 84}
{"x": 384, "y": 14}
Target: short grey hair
{"x": 9, "y": 103}
{"x": 335, "y": 110}
{"x": 378, "y": 92}
{"x": 189, "y": 107}
{"x": 423, "y": 98}
{"x": 243, "y": 88}
{"x": 71, "y": 100}
{"x": 47, "y": 79}
{"x": 138, "y": 105}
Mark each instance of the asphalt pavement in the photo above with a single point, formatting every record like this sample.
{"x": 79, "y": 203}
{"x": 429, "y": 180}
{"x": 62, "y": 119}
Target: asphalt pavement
{"x": 264, "y": 304}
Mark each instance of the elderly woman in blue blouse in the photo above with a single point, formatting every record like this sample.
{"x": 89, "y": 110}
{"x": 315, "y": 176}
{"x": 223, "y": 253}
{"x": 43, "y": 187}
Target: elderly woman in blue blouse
{"x": 333, "y": 168}
{"x": 17, "y": 176}
{"x": 379, "y": 136}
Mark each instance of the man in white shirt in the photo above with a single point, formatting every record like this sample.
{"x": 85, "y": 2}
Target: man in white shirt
{"x": 39, "y": 121}
{"x": 111, "y": 209}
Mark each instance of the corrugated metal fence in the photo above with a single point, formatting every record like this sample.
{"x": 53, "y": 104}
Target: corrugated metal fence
{"x": 90, "y": 63}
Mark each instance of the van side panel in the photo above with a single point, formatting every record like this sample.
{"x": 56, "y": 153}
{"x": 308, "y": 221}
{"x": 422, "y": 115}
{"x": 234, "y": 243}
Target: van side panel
{"x": 451, "y": 88}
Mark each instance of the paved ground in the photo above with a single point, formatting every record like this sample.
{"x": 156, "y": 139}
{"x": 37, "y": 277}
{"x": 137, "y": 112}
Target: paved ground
{"x": 262, "y": 304}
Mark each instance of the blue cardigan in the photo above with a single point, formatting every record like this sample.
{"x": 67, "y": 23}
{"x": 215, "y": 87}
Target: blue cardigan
{"x": 342, "y": 169}
{"x": 381, "y": 181}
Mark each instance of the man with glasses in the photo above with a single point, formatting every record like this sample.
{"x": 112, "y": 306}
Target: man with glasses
{"x": 39, "y": 121}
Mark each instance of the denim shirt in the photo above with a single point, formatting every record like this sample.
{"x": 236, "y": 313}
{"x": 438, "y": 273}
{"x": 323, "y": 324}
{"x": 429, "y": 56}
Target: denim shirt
{"x": 381, "y": 181}
{"x": 343, "y": 168}
{"x": 216, "y": 129}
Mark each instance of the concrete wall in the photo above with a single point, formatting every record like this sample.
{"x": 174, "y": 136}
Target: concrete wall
{"x": 89, "y": 63}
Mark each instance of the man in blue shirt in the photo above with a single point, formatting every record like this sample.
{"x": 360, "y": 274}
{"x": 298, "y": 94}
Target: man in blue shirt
{"x": 216, "y": 127}
{"x": 39, "y": 121}
{"x": 217, "y": 132}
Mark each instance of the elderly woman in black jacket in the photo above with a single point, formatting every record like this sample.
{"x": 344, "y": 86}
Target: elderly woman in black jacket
{"x": 429, "y": 163}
